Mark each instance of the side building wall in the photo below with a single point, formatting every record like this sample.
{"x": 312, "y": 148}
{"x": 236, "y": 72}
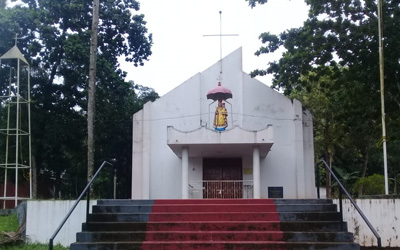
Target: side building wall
{"x": 289, "y": 164}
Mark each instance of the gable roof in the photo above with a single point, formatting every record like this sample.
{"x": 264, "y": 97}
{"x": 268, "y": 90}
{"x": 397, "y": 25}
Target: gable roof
{"x": 14, "y": 53}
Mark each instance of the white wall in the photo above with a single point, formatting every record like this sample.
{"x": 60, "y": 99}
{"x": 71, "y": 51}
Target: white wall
{"x": 284, "y": 165}
{"x": 383, "y": 214}
{"x": 44, "y": 217}
{"x": 308, "y": 142}
{"x": 254, "y": 107}
{"x": 180, "y": 110}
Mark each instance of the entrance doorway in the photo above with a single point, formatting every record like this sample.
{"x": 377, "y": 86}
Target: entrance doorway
{"x": 222, "y": 178}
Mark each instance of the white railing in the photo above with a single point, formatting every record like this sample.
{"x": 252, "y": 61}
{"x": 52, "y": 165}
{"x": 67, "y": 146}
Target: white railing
{"x": 221, "y": 189}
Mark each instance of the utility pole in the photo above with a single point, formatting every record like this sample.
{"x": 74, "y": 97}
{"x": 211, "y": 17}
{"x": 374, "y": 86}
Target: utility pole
{"x": 92, "y": 88}
{"x": 382, "y": 81}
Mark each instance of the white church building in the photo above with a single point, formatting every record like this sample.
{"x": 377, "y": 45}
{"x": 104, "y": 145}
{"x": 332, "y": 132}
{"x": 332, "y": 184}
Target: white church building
{"x": 262, "y": 148}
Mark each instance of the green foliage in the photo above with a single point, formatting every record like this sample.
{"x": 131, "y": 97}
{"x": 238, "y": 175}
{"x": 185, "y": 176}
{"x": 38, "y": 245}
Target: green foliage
{"x": 372, "y": 185}
{"x": 55, "y": 40}
{"x": 9, "y": 223}
{"x": 253, "y": 3}
{"x": 345, "y": 177}
{"x": 35, "y": 246}
{"x": 331, "y": 65}
{"x": 336, "y": 34}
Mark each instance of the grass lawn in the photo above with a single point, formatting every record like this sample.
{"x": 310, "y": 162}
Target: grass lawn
{"x": 31, "y": 247}
{"x": 9, "y": 223}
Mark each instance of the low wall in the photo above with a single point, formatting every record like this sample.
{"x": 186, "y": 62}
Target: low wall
{"x": 383, "y": 214}
{"x": 43, "y": 217}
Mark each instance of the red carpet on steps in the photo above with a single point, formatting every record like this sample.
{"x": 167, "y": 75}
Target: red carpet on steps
{"x": 213, "y": 224}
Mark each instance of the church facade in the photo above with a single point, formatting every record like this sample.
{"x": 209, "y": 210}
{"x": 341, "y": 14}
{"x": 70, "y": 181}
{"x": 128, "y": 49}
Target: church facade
{"x": 248, "y": 142}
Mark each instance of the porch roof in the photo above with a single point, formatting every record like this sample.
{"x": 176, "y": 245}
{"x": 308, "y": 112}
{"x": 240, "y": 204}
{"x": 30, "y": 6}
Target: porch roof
{"x": 205, "y": 142}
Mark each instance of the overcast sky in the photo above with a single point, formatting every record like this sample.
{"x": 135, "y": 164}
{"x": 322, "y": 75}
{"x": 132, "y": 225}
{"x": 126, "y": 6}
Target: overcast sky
{"x": 180, "y": 50}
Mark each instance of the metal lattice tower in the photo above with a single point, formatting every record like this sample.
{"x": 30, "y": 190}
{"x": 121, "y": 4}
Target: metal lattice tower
{"x": 15, "y": 128}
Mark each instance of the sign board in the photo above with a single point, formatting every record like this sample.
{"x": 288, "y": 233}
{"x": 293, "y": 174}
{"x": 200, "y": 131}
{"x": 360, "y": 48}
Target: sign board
{"x": 275, "y": 192}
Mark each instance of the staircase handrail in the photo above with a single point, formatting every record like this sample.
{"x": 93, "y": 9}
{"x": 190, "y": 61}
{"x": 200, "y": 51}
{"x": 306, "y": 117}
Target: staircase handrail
{"x": 343, "y": 189}
{"x": 85, "y": 191}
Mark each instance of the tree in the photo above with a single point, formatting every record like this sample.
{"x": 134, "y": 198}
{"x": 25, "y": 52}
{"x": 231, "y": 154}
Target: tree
{"x": 338, "y": 34}
{"x": 116, "y": 104}
{"x": 92, "y": 88}
{"x": 253, "y": 3}
{"x": 342, "y": 37}
{"x": 321, "y": 98}
{"x": 56, "y": 40}
{"x": 373, "y": 185}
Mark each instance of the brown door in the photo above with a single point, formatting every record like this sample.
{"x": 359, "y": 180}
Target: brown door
{"x": 222, "y": 178}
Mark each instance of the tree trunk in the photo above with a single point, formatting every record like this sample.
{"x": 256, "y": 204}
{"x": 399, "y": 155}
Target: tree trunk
{"x": 328, "y": 177}
{"x": 92, "y": 88}
{"x": 328, "y": 158}
{"x": 364, "y": 170}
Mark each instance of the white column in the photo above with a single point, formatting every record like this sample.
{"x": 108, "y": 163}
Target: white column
{"x": 185, "y": 173}
{"x": 256, "y": 172}
{"x": 137, "y": 156}
{"x": 146, "y": 150}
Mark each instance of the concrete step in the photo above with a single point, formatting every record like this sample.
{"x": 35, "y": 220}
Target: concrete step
{"x": 122, "y": 209}
{"x": 307, "y": 226}
{"x": 188, "y": 216}
{"x": 125, "y": 202}
{"x": 303, "y": 201}
{"x": 306, "y": 207}
{"x": 215, "y": 236}
{"x": 309, "y": 216}
{"x": 211, "y": 216}
{"x": 184, "y": 208}
{"x": 214, "y": 224}
{"x": 215, "y": 245}
{"x": 188, "y": 201}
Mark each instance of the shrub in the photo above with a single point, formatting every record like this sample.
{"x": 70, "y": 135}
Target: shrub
{"x": 371, "y": 185}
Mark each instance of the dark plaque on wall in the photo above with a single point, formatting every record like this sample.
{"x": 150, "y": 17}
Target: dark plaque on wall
{"x": 275, "y": 192}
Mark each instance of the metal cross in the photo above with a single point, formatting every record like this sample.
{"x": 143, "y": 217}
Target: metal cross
{"x": 16, "y": 39}
{"x": 220, "y": 37}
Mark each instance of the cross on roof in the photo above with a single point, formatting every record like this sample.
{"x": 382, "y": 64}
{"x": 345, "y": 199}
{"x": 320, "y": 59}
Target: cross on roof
{"x": 220, "y": 40}
{"x": 16, "y": 39}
